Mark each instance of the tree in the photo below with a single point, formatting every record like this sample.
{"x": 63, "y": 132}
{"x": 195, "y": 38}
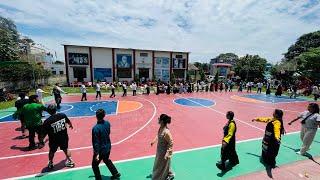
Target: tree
{"x": 303, "y": 44}
{"x": 309, "y": 63}
{"x": 9, "y": 26}
{"x": 225, "y": 58}
{"x": 250, "y": 67}
{"x": 8, "y": 48}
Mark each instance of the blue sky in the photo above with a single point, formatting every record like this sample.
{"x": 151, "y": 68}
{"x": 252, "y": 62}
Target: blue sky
{"x": 206, "y": 28}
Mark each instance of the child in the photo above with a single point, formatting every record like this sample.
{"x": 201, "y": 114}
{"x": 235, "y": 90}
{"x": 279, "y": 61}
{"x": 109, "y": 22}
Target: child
{"x": 39, "y": 92}
{"x": 112, "y": 91}
{"x": 83, "y": 91}
{"x": 272, "y": 137}
{"x": 228, "y": 148}
{"x": 98, "y": 90}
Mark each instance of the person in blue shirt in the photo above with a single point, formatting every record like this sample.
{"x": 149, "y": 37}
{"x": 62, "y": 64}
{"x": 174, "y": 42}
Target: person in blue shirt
{"x": 102, "y": 146}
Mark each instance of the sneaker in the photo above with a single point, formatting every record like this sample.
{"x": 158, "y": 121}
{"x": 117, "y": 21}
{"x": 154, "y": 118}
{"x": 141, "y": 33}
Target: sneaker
{"x": 221, "y": 166}
{"x": 299, "y": 153}
{"x": 117, "y": 176}
{"x": 50, "y": 165}
{"x": 170, "y": 177}
{"x": 32, "y": 147}
{"x": 41, "y": 145}
{"x": 69, "y": 164}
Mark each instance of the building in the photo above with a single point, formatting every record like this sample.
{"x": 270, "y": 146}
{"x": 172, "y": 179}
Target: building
{"x": 57, "y": 68}
{"x": 223, "y": 69}
{"x": 91, "y": 63}
{"x": 193, "y": 72}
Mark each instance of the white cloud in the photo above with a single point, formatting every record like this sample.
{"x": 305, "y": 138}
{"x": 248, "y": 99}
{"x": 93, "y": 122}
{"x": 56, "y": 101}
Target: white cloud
{"x": 205, "y": 28}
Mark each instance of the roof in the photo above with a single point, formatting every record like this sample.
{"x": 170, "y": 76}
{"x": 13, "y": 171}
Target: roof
{"x": 192, "y": 67}
{"x": 222, "y": 64}
{"x": 126, "y": 48}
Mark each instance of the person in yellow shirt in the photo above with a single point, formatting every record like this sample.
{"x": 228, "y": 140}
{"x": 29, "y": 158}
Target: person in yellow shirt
{"x": 272, "y": 137}
{"x": 228, "y": 147}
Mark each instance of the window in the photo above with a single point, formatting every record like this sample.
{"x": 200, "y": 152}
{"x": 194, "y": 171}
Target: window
{"x": 144, "y": 54}
{"x": 53, "y": 72}
{"x": 179, "y": 56}
{"x": 80, "y": 73}
{"x": 61, "y": 72}
{"x": 124, "y": 73}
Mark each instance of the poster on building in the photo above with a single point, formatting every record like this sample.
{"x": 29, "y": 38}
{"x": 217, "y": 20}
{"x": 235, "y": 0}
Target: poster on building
{"x": 102, "y": 74}
{"x": 178, "y": 63}
{"x": 78, "y": 59}
{"x": 124, "y": 61}
{"x": 165, "y": 62}
{"x": 165, "y": 75}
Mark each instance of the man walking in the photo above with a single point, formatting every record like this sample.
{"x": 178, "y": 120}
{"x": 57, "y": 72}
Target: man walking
{"x": 112, "y": 91}
{"x": 83, "y": 90}
{"x": 32, "y": 115}
{"x": 98, "y": 90}
{"x": 55, "y": 127}
{"x": 102, "y": 146}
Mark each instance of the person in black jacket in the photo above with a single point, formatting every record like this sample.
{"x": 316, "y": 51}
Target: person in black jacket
{"x": 228, "y": 148}
{"x": 102, "y": 146}
{"x": 19, "y": 105}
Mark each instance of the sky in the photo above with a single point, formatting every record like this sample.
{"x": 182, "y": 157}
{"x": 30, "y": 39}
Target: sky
{"x": 205, "y": 28}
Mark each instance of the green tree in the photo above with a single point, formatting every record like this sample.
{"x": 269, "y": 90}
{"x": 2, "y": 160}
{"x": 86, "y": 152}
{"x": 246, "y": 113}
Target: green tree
{"x": 309, "y": 63}
{"x": 303, "y": 44}
{"x": 250, "y": 67}
{"x": 225, "y": 58}
{"x": 8, "y": 48}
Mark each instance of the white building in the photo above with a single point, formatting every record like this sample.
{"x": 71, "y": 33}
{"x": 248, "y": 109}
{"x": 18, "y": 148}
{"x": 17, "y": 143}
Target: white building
{"x": 91, "y": 63}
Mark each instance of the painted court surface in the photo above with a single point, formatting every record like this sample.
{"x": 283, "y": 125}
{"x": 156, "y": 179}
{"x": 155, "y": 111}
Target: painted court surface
{"x": 197, "y": 122}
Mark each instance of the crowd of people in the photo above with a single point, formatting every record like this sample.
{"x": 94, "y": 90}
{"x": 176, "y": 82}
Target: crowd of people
{"x": 30, "y": 109}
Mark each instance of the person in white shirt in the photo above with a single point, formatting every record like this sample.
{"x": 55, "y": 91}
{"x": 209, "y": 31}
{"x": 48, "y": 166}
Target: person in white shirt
{"x": 315, "y": 92}
{"x": 310, "y": 121}
{"x": 56, "y": 91}
{"x": 83, "y": 90}
{"x": 39, "y": 93}
{"x": 112, "y": 91}
{"x": 259, "y": 84}
{"x": 124, "y": 87}
{"x": 134, "y": 88}
{"x": 98, "y": 90}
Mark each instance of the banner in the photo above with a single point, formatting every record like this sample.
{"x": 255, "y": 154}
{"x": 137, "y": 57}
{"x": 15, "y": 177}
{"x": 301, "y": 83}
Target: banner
{"x": 124, "y": 61}
{"x": 101, "y": 74}
{"x": 78, "y": 59}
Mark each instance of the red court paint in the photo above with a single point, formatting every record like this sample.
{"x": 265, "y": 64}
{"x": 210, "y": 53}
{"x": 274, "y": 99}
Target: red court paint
{"x": 190, "y": 127}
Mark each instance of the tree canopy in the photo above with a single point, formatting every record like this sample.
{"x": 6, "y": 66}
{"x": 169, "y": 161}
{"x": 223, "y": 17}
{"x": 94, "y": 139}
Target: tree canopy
{"x": 250, "y": 67}
{"x": 225, "y": 58}
{"x": 303, "y": 44}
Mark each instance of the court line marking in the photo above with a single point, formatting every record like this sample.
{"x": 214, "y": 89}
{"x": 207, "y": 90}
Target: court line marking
{"x": 255, "y": 105}
{"x": 303, "y": 100}
{"x": 223, "y": 114}
{"x": 134, "y": 159}
{"x": 89, "y": 147}
{"x": 47, "y": 113}
{"x": 141, "y": 105}
{"x": 214, "y": 103}
{"x": 117, "y": 109}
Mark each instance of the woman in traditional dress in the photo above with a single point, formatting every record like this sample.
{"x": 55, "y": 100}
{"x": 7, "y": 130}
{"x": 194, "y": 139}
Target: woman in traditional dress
{"x": 272, "y": 137}
{"x": 162, "y": 164}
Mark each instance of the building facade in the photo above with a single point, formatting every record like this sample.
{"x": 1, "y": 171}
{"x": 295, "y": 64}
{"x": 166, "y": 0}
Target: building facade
{"x": 91, "y": 63}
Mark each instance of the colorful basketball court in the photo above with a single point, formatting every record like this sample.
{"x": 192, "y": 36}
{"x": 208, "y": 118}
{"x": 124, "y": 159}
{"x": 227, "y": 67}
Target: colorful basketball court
{"x": 197, "y": 122}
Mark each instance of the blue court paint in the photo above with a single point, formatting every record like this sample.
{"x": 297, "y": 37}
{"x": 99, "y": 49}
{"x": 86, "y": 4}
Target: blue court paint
{"x": 194, "y": 102}
{"x": 272, "y": 98}
{"x": 80, "y": 109}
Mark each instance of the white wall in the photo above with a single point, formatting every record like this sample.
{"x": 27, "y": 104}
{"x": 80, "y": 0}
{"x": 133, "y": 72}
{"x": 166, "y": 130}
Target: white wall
{"x": 102, "y": 58}
{"x": 74, "y": 49}
{"x": 123, "y": 51}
